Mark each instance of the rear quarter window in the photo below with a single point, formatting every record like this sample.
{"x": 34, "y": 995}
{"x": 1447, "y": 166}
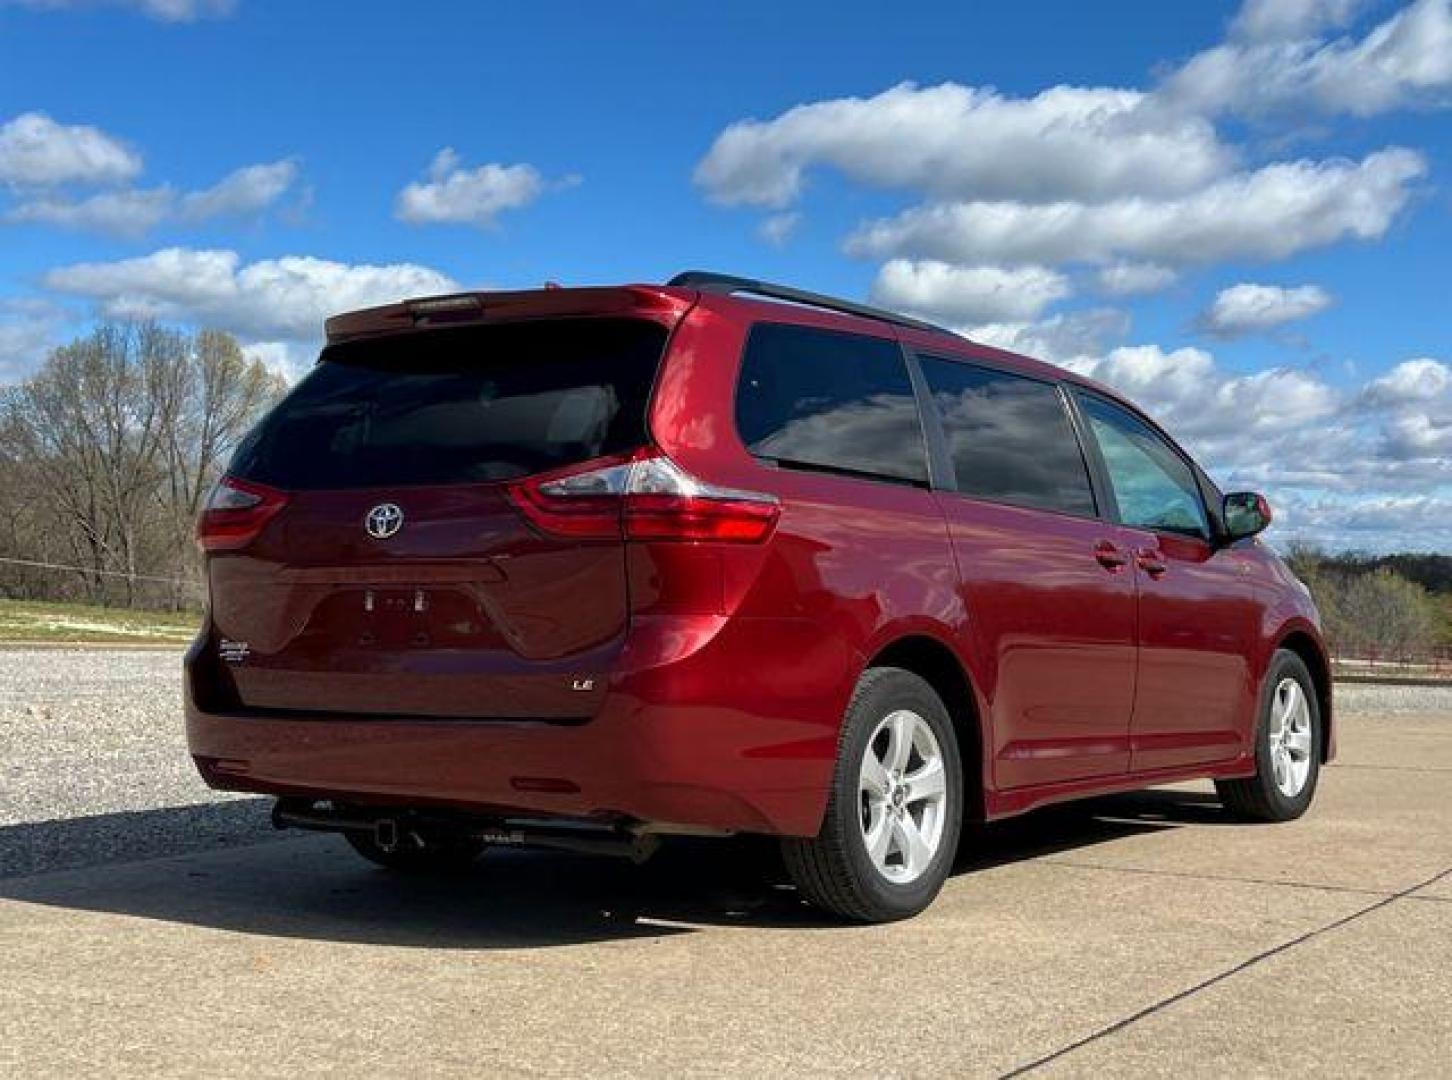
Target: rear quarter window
{"x": 837, "y": 402}
{"x": 460, "y": 405}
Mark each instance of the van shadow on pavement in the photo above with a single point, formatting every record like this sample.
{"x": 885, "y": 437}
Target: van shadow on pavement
{"x": 220, "y": 865}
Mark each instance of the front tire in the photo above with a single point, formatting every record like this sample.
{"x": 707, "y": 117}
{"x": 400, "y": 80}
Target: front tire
{"x": 1288, "y": 744}
{"x": 895, "y": 809}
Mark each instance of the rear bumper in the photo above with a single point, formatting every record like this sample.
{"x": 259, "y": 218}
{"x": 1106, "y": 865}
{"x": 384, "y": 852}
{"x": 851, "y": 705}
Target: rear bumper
{"x": 722, "y": 724}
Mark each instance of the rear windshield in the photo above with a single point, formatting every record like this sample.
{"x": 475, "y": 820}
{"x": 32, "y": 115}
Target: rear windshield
{"x": 459, "y": 405}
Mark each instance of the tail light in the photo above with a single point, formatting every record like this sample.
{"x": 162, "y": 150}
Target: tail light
{"x": 235, "y": 513}
{"x": 644, "y": 496}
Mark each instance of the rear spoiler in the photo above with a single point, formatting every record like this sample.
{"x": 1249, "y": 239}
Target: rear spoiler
{"x": 490, "y": 307}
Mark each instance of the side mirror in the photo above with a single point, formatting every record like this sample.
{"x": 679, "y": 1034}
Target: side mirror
{"x": 1245, "y": 514}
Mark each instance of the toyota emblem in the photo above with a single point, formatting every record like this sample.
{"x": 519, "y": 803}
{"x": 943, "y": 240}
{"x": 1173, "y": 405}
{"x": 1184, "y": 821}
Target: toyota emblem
{"x": 383, "y": 521}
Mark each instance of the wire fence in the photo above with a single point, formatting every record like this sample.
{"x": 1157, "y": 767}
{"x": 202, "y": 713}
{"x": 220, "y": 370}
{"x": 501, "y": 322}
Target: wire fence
{"x": 104, "y": 586}
{"x": 94, "y": 572}
{"x": 1375, "y": 659}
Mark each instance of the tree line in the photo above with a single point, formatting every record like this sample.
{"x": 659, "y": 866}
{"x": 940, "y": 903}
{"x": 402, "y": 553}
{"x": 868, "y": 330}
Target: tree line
{"x": 107, "y": 454}
{"x": 1380, "y": 606}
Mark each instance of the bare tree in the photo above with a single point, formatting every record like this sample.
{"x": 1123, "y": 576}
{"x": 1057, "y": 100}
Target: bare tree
{"x": 116, "y": 440}
{"x": 219, "y": 396}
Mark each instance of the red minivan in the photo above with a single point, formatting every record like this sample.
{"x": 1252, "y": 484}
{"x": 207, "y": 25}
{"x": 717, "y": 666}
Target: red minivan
{"x": 587, "y": 567}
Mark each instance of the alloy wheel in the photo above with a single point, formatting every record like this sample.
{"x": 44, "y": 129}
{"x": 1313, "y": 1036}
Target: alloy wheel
{"x": 903, "y": 796}
{"x": 1290, "y": 737}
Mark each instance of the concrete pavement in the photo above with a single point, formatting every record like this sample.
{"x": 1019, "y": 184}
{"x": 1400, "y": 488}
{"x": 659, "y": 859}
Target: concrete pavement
{"x": 1139, "y": 935}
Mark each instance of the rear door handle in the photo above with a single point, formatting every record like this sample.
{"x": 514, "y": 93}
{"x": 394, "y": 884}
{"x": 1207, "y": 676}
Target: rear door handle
{"x": 1150, "y": 561}
{"x": 1109, "y": 556}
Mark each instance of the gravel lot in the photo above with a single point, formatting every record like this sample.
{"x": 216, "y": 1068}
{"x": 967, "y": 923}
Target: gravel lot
{"x": 108, "y": 721}
{"x": 1374, "y": 699}
{"x": 88, "y": 735}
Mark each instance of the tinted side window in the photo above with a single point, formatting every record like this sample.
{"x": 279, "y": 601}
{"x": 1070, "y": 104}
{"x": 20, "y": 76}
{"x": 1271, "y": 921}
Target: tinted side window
{"x": 1010, "y": 438}
{"x": 841, "y": 402}
{"x": 1154, "y": 486}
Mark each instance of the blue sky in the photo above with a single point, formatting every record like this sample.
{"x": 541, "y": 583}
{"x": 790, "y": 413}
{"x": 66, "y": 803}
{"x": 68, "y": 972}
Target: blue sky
{"x": 1241, "y": 215}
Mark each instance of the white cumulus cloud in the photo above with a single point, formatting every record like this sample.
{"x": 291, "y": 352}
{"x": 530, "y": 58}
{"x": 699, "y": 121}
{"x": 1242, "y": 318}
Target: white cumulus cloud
{"x": 1420, "y": 433}
{"x": 248, "y": 190}
{"x": 1412, "y": 381}
{"x": 1414, "y": 403}
{"x": 1282, "y": 20}
{"x": 133, "y": 212}
{"x": 965, "y": 295}
{"x": 777, "y": 229}
{"x": 284, "y": 298}
{"x": 1278, "y": 64}
{"x": 1271, "y": 213}
{"x": 164, "y": 10}
{"x": 1227, "y": 415}
{"x": 1061, "y": 338}
{"x": 453, "y": 194}
{"x": 37, "y": 151}
{"x": 1134, "y": 278}
{"x": 1384, "y": 521}
{"x": 965, "y": 142}
{"x": 137, "y": 211}
{"x": 1248, "y": 308}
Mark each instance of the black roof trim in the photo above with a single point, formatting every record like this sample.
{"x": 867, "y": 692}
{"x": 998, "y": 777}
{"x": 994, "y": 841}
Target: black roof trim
{"x": 709, "y": 281}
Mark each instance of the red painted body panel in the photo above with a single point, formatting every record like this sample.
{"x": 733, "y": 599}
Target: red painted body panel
{"x": 718, "y": 673}
{"x": 431, "y": 622}
{"x": 679, "y": 738}
{"x": 1197, "y": 629}
{"x": 1050, "y": 643}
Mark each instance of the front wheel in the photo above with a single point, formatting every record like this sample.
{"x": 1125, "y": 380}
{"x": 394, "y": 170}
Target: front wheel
{"x": 1287, "y": 751}
{"x": 893, "y": 816}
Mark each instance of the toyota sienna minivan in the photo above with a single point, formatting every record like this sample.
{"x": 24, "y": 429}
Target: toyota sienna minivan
{"x": 588, "y": 567}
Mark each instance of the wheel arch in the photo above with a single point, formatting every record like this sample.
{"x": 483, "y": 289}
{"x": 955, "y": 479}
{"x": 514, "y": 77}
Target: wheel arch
{"x": 1313, "y": 655}
{"x": 934, "y": 661}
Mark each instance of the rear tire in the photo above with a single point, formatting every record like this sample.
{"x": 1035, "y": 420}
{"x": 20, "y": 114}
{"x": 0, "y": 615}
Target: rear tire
{"x": 894, "y": 813}
{"x": 1288, "y": 741}
{"x": 433, "y": 856}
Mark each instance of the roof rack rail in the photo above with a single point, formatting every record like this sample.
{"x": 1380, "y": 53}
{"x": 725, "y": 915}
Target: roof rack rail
{"x": 726, "y": 284}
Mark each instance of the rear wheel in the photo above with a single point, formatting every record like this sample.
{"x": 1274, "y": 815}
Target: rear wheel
{"x": 893, "y": 817}
{"x": 1287, "y": 751}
